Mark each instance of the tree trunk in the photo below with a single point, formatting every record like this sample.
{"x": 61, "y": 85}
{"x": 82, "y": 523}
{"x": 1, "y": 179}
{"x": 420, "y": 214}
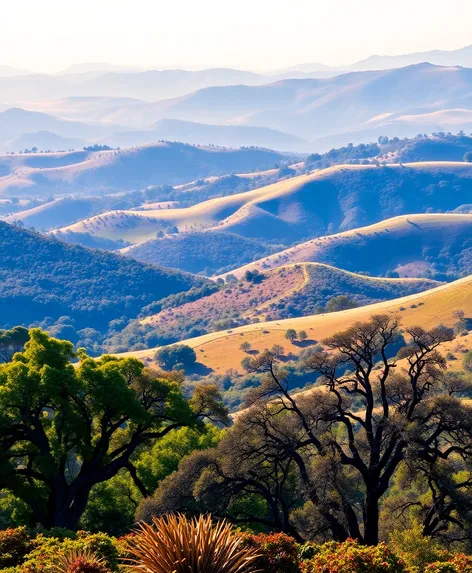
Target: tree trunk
{"x": 371, "y": 521}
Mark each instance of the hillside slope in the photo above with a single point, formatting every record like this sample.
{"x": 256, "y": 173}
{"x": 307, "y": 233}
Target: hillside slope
{"x": 42, "y": 277}
{"x": 220, "y": 351}
{"x": 408, "y": 245}
{"x": 288, "y": 291}
{"x": 328, "y": 201}
{"x": 124, "y": 170}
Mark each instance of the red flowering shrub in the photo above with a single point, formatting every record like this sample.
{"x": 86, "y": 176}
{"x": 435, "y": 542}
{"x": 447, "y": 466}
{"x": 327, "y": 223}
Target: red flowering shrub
{"x": 14, "y": 545}
{"x": 84, "y": 564}
{"x": 279, "y": 552}
{"x": 457, "y": 563}
{"x": 350, "y": 557}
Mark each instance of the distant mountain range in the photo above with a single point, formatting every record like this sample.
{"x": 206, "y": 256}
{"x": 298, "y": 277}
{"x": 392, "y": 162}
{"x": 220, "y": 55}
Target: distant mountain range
{"x": 231, "y": 108}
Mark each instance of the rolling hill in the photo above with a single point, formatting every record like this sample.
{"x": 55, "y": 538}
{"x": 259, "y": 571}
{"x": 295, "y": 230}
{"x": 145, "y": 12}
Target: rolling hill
{"x": 44, "y": 140}
{"x": 204, "y": 134}
{"x": 219, "y": 352}
{"x": 287, "y": 291}
{"x": 96, "y": 173}
{"x": 408, "y": 245}
{"x": 42, "y": 277}
{"x": 16, "y": 122}
{"x": 331, "y": 200}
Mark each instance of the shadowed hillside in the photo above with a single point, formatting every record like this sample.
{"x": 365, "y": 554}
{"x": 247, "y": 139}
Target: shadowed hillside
{"x": 42, "y": 277}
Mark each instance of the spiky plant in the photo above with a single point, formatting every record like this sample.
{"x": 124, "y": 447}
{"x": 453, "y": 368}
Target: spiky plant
{"x": 175, "y": 544}
{"x": 79, "y": 561}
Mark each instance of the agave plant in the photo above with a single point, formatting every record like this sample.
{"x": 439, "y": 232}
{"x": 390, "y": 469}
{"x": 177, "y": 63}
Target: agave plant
{"x": 175, "y": 544}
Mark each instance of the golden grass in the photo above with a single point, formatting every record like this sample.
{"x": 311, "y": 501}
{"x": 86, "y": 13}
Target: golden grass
{"x": 223, "y": 212}
{"x": 401, "y": 224}
{"x": 220, "y": 351}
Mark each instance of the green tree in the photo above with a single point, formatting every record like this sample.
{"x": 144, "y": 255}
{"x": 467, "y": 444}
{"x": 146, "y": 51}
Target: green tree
{"x": 176, "y": 355}
{"x": 302, "y": 335}
{"x": 338, "y": 303}
{"x": 468, "y": 157}
{"x": 65, "y": 429}
{"x": 245, "y": 347}
{"x": 291, "y": 335}
{"x": 12, "y": 341}
{"x": 467, "y": 361}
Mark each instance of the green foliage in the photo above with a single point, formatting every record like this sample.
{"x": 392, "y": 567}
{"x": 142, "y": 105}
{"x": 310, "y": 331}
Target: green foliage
{"x": 291, "y": 334}
{"x": 416, "y": 549}
{"x": 163, "y": 458}
{"x": 467, "y": 361}
{"x": 89, "y": 420}
{"x": 468, "y": 157}
{"x": 178, "y": 355}
{"x": 351, "y": 557}
{"x": 341, "y": 302}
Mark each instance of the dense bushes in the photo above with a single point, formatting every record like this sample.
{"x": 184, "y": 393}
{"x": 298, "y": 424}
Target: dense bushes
{"x": 45, "y": 552}
{"x": 279, "y": 553}
{"x": 351, "y": 557}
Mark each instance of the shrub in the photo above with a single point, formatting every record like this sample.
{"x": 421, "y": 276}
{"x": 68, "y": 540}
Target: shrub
{"x": 14, "y": 545}
{"x": 350, "y": 557}
{"x": 278, "y": 552}
{"x": 46, "y": 551}
{"x": 458, "y": 563}
{"x": 176, "y": 544}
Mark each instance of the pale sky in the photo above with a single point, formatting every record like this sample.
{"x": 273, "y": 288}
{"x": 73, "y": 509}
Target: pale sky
{"x": 50, "y": 35}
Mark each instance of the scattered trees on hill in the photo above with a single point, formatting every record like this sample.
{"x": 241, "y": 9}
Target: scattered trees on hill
{"x": 176, "y": 357}
{"x": 245, "y": 347}
{"x": 65, "y": 429}
{"x": 338, "y": 303}
{"x": 291, "y": 335}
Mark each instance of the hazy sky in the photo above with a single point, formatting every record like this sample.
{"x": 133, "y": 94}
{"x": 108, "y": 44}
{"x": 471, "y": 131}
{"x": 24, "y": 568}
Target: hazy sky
{"x": 49, "y": 35}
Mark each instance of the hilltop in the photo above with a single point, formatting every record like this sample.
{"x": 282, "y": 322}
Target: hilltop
{"x": 42, "y": 277}
{"x": 288, "y": 291}
{"x": 124, "y": 170}
{"x": 406, "y": 246}
{"x": 219, "y": 352}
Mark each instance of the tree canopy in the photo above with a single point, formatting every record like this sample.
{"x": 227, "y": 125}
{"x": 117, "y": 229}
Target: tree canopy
{"x": 64, "y": 429}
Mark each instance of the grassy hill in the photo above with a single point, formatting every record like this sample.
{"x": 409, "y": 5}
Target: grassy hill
{"x": 42, "y": 277}
{"x": 219, "y": 352}
{"x": 307, "y": 206}
{"x": 96, "y": 173}
{"x": 288, "y": 291}
{"x": 437, "y": 245}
